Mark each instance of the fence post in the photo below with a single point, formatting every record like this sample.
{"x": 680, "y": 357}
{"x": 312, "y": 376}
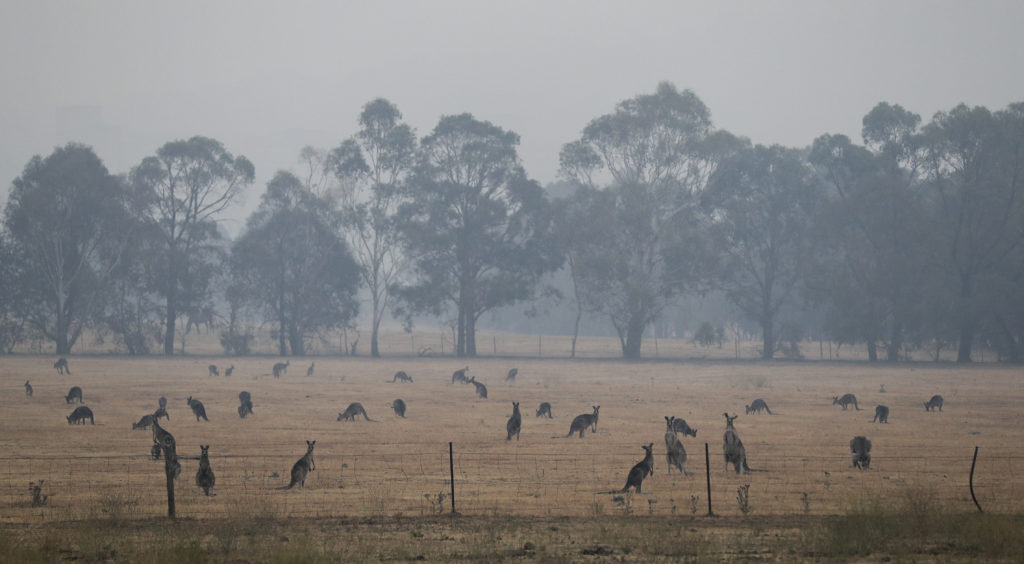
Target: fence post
{"x": 971, "y": 480}
{"x": 707, "y": 474}
{"x": 451, "y": 470}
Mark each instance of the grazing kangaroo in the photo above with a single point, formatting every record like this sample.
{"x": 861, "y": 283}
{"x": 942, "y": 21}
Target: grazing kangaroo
{"x": 302, "y": 468}
{"x": 228, "y": 371}
{"x": 28, "y": 389}
{"x": 213, "y": 370}
{"x": 79, "y": 415}
{"x": 309, "y": 371}
{"x": 197, "y": 408}
{"x": 74, "y": 393}
{"x": 931, "y": 404}
{"x": 281, "y": 368}
{"x": 511, "y": 376}
{"x": 544, "y": 409}
{"x": 460, "y": 376}
{"x": 860, "y": 452}
{"x": 244, "y": 396}
{"x": 675, "y": 454}
{"x": 680, "y": 426}
{"x": 204, "y": 477}
{"x": 163, "y": 402}
{"x": 352, "y": 411}
{"x": 732, "y": 446}
{"x": 481, "y": 390}
{"x": 881, "y": 414}
{"x": 245, "y": 407}
{"x": 515, "y": 423}
{"x": 581, "y": 422}
{"x": 62, "y": 366}
{"x": 641, "y": 469}
{"x": 399, "y": 406}
{"x": 846, "y": 400}
{"x": 402, "y": 377}
{"x": 144, "y": 423}
{"x": 757, "y": 406}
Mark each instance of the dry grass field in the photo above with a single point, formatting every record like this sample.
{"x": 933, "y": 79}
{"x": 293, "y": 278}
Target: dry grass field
{"x": 396, "y": 468}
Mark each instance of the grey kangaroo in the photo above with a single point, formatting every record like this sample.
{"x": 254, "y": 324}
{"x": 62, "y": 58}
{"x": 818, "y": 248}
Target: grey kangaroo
{"x": 144, "y": 423}
{"x": 402, "y": 377}
{"x": 460, "y": 376}
{"x": 197, "y": 408}
{"x": 162, "y": 402}
{"x": 757, "y": 406}
{"x": 931, "y": 404}
{"x": 515, "y": 423}
{"x": 213, "y": 370}
{"x": 881, "y": 414}
{"x": 641, "y": 469}
{"x": 581, "y": 422}
{"x": 204, "y": 477}
{"x": 160, "y": 412}
{"x": 245, "y": 404}
{"x": 79, "y": 415}
{"x": 511, "y": 376}
{"x": 228, "y": 371}
{"x": 680, "y": 426}
{"x": 352, "y": 411}
{"x": 28, "y": 389}
{"x": 62, "y": 366}
{"x": 281, "y": 368}
{"x": 481, "y": 390}
{"x": 74, "y": 393}
{"x": 732, "y": 446}
{"x": 860, "y": 452}
{"x": 675, "y": 454}
{"x": 399, "y": 406}
{"x": 309, "y": 371}
{"x": 544, "y": 409}
{"x": 302, "y": 468}
{"x": 846, "y": 400}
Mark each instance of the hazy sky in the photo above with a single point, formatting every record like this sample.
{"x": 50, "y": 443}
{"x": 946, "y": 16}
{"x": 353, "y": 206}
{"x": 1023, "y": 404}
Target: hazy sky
{"x": 267, "y": 78}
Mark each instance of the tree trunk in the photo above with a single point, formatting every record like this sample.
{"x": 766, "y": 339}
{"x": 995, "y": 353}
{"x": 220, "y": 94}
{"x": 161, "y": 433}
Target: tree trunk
{"x": 377, "y": 315}
{"x": 895, "y": 343}
{"x": 963, "y": 353}
{"x": 295, "y": 339}
{"x": 872, "y": 351}
{"x": 634, "y": 337}
{"x": 171, "y": 318}
{"x": 767, "y": 337}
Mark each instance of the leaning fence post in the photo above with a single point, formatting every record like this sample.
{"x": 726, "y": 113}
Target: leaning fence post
{"x": 451, "y": 470}
{"x": 971, "y": 480}
{"x": 707, "y": 473}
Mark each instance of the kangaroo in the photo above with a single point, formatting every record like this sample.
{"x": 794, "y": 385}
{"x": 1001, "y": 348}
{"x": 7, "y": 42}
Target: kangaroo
{"x": 309, "y": 371}
{"x": 28, "y": 389}
{"x": 511, "y": 376}
{"x": 79, "y": 415}
{"x": 160, "y": 412}
{"x": 164, "y": 442}
{"x": 281, "y": 368}
{"x": 481, "y": 390}
{"x": 352, "y": 411}
{"x": 680, "y": 426}
{"x": 757, "y": 406}
{"x": 302, "y": 468}
{"x": 402, "y": 377}
{"x": 881, "y": 414}
{"x": 228, "y": 371}
{"x": 846, "y": 400}
{"x": 641, "y": 469}
{"x": 74, "y": 393}
{"x": 197, "y": 408}
{"x": 213, "y": 370}
{"x": 515, "y": 423}
{"x": 163, "y": 402}
{"x": 460, "y": 376}
{"x": 544, "y": 409}
{"x": 860, "y": 452}
{"x": 145, "y": 423}
{"x": 399, "y": 406}
{"x": 245, "y": 408}
{"x": 931, "y": 404}
{"x": 675, "y": 454}
{"x": 581, "y": 422}
{"x": 62, "y": 366}
{"x": 732, "y": 446}
{"x": 204, "y": 477}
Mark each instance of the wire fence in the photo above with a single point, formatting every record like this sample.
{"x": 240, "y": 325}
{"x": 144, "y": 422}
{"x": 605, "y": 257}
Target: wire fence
{"x": 412, "y": 479}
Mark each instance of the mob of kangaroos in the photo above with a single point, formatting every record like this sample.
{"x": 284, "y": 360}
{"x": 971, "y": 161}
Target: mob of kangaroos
{"x": 675, "y": 454}
{"x": 352, "y": 411}
{"x": 204, "y": 477}
{"x": 860, "y": 452}
{"x": 515, "y": 423}
{"x": 931, "y": 404}
{"x": 197, "y": 408}
{"x": 757, "y": 406}
{"x": 581, "y": 422}
{"x": 544, "y": 409}
{"x": 62, "y": 366}
{"x": 79, "y": 415}
{"x": 881, "y": 414}
{"x": 74, "y": 393}
{"x": 845, "y": 401}
{"x": 402, "y": 377}
{"x": 641, "y": 469}
{"x": 302, "y": 468}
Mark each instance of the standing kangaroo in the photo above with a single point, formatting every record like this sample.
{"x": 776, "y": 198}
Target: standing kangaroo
{"x": 732, "y": 446}
{"x": 481, "y": 390}
{"x": 161, "y": 412}
{"x": 228, "y": 371}
{"x": 309, "y": 371}
{"x": 402, "y": 377}
{"x": 515, "y": 423}
{"x": 204, "y": 477}
{"x": 460, "y": 376}
{"x": 931, "y": 404}
{"x": 881, "y": 414}
{"x": 641, "y": 469}
{"x": 860, "y": 452}
{"x": 544, "y": 409}
{"x": 757, "y": 406}
{"x": 352, "y": 411}
{"x": 302, "y": 468}
{"x": 164, "y": 442}
{"x": 281, "y": 368}
{"x": 79, "y": 415}
{"x": 846, "y": 400}
{"x": 511, "y": 376}
{"x": 399, "y": 406}
{"x": 197, "y": 408}
{"x": 62, "y": 366}
{"x": 675, "y": 454}
{"x": 213, "y": 370}
{"x": 28, "y": 389}
{"x": 581, "y": 422}
{"x": 74, "y": 393}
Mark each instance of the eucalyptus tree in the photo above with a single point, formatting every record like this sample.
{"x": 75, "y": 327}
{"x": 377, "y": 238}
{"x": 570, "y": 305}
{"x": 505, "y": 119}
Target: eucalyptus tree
{"x": 292, "y": 265}
{"x": 188, "y": 184}
{"x": 69, "y": 218}
{"x": 14, "y": 294}
{"x": 642, "y": 170}
{"x": 477, "y": 229}
{"x": 374, "y": 166}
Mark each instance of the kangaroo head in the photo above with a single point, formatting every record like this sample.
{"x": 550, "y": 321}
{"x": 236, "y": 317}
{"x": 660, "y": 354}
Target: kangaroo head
{"x": 596, "y": 409}
{"x": 205, "y": 450}
{"x": 189, "y": 400}
{"x": 668, "y": 421}
{"x": 310, "y": 445}
{"x": 647, "y": 448}
{"x": 729, "y": 420}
